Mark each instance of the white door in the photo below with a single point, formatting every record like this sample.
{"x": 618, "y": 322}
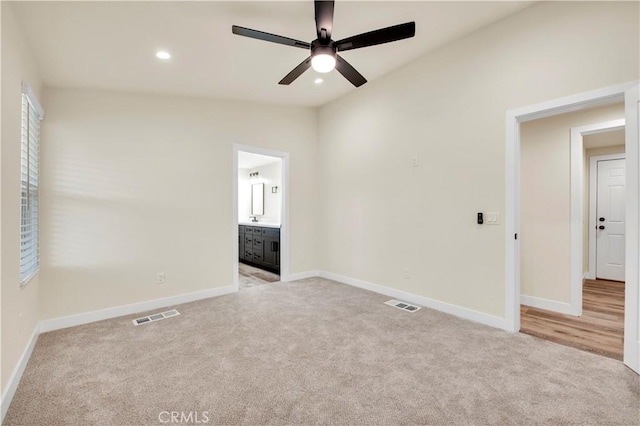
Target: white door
{"x": 610, "y": 223}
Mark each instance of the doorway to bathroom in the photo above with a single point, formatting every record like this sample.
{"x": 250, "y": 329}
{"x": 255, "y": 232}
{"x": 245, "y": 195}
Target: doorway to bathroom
{"x": 260, "y": 217}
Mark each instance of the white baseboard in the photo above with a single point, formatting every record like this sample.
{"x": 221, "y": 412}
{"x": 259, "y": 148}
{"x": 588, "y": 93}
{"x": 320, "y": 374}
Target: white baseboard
{"x": 464, "y": 313}
{"x": 134, "y": 308}
{"x": 301, "y": 276}
{"x": 16, "y": 375}
{"x": 548, "y": 305}
{"x": 631, "y": 356}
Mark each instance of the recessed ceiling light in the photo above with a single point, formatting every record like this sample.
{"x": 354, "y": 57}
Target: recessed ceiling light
{"x": 318, "y": 80}
{"x": 161, "y": 54}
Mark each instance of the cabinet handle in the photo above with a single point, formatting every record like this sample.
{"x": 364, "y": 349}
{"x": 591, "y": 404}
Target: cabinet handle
{"x": 274, "y": 246}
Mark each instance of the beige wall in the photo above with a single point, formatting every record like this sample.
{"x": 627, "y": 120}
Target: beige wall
{"x": 380, "y": 215}
{"x": 19, "y": 306}
{"x": 616, "y": 138}
{"x": 134, "y": 185}
{"x": 545, "y": 212}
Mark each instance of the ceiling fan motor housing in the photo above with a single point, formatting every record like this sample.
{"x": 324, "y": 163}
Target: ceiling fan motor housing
{"x": 322, "y": 47}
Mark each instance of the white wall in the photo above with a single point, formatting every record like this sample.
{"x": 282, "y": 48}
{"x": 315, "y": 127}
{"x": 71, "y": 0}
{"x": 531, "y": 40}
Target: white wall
{"x": 271, "y": 176}
{"x": 19, "y": 306}
{"x": 380, "y": 215}
{"x": 545, "y": 197}
{"x": 244, "y": 195}
{"x": 134, "y": 185}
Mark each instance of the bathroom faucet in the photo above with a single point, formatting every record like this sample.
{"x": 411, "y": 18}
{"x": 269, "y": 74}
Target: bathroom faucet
{"x": 254, "y": 218}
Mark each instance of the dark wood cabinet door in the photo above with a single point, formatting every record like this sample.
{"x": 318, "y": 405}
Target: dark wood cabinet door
{"x": 271, "y": 250}
{"x": 258, "y": 255}
{"x": 248, "y": 253}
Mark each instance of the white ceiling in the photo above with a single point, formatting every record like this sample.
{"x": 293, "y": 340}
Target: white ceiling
{"x": 248, "y": 160}
{"x": 111, "y": 45}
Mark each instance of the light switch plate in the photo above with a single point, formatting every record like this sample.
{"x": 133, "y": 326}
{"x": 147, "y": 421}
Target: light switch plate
{"x": 492, "y": 218}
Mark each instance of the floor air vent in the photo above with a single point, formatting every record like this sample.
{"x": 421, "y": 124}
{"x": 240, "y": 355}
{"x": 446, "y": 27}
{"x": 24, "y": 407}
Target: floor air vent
{"x": 402, "y": 305}
{"x": 155, "y": 317}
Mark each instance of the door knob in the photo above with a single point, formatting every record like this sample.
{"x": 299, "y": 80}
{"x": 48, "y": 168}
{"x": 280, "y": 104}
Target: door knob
{"x": 601, "y": 219}
{"x": 601, "y": 227}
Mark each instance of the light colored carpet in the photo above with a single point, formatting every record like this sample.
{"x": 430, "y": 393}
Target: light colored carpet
{"x": 315, "y": 352}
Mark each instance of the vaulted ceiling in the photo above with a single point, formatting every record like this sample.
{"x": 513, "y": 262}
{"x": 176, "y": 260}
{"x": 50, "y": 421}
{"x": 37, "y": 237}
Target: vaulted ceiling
{"x": 112, "y": 45}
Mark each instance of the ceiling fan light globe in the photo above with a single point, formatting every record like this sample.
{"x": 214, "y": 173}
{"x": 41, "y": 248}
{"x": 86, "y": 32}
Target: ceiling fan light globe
{"x": 323, "y": 63}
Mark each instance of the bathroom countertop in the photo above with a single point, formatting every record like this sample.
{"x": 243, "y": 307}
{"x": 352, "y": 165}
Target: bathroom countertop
{"x": 262, "y": 224}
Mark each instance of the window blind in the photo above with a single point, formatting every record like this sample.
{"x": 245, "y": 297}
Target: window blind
{"x": 32, "y": 113}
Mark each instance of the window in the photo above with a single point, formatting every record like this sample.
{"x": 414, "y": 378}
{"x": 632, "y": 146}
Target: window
{"x": 32, "y": 113}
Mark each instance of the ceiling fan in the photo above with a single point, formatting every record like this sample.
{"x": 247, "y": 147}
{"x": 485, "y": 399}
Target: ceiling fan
{"x": 324, "y": 51}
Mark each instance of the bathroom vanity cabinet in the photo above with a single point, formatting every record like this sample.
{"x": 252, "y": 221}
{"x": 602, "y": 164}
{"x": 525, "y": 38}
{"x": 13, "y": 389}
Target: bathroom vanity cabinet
{"x": 260, "y": 246}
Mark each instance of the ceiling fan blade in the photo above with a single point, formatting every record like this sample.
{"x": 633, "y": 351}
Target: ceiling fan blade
{"x": 324, "y": 18}
{"x": 261, "y": 35}
{"x": 349, "y": 72}
{"x": 296, "y": 72}
{"x": 381, "y": 36}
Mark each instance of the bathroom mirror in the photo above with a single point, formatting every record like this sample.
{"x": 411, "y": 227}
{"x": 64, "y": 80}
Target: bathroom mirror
{"x": 257, "y": 199}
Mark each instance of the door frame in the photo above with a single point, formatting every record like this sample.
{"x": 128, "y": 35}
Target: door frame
{"x": 577, "y": 206}
{"x": 284, "y": 218}
{"x": 627, "y": 92}
{"x": 593, "y": 183}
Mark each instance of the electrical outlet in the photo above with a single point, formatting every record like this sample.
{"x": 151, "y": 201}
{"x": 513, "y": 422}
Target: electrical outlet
{"x": 160, "y": 278}
{"x": 407, "y": 275}
{"x": 415, "y": 162}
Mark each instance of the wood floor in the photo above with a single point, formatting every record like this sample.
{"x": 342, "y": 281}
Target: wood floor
{"x": 250, "y": 276}
{"x": 598, "y": 330}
